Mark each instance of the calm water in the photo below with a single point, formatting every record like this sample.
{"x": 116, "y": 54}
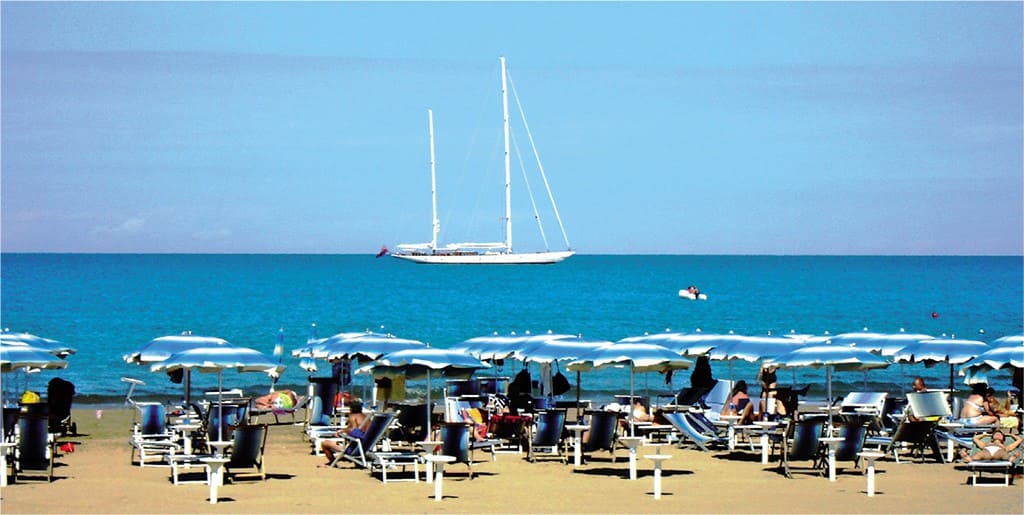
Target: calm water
{"x": 107, "y": 305}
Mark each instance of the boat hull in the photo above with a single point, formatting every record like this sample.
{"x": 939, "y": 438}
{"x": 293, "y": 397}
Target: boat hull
{"x": 527, "y": 258}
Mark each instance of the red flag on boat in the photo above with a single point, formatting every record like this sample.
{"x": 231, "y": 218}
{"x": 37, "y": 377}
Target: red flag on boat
{"x": 383, "y": 251}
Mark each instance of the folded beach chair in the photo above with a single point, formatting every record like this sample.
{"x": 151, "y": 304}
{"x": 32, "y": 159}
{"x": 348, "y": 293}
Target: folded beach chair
{"x": 35, "y": 449}
{"x": 802, "y": 443}
{"x": 247, "y": 448}
{"x": 853, "y": 432}
{"x": 58, "y": 396}
{"x": 457, "y": 441}
{"x": 151, "y": 436}
{"x": 694, "y": 432}
{"x": 548, "y": 437}
{"x": 603, "y": 432}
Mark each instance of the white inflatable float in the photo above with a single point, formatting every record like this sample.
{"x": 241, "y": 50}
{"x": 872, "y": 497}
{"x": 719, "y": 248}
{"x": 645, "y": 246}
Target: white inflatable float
{"x": 687, "y": 295}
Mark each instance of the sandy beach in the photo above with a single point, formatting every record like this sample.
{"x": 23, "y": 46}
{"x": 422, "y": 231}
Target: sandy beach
{"x": 98, "y": 478}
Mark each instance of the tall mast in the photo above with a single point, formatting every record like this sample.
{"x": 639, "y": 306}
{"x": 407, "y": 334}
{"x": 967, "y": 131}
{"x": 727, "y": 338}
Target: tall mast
{"x": 508, "y": 174}
{"x": 436, "y": 224}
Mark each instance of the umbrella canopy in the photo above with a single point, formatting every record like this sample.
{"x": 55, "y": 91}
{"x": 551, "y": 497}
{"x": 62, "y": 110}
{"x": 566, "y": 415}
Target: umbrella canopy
{"x": 830, "y": 356}
{"x": 933, "y": 351}
{"x": 321, "y": 347}
{"x": 643, "y": 357}
{"x": 46, "y": 344}
{"x": 997, "y": 358}
{"x": 159, "y": 349}
{"x": 696, "y": 344}
{"x": 885, "y": 344}
{"x": 1008, "y": 341}
{"x": 366, "y": 347}
{"x": 14, "y": 357}
{"x": 559, "y": 348}
{"x": 424, "y": 362}
{"x": 754, "y": 348}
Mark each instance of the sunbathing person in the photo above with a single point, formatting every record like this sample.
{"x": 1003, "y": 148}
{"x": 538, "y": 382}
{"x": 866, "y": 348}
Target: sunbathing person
{"x": 996, "y": 449}
{"x": 283, "y": 399}
{"x": 739, "y": 404}
{"x": 973, "y": 412}
{"x": 356, "y": 427}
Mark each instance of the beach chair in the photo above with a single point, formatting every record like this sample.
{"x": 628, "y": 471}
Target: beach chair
{"x": 320, "y": 426}
{"x": 802, "y": 443}
{"x": 928, "y": 409}
{"x": 256, "y": 413}
{"x": 151, "y": 437}
{"x": 510, "y": 431}
{"x": 34, "y": 452}
{"x": 694, "y": 433}
{"x": 411, "y": 424}
{"x": 717, "y": 398}
{"x": 854, "y": 433}
{"x": 58, "y": 397}
{"x": 235, "y": 414}
{"x": 603, "y": 433}
{"x": 548, "y": 437}
{"x": 363, "y": 450}
{"x": 866, "y": 406}
{"x": 247, "y": 448}
{"x": 457, "y": 441}
{"x": 978, "y": 469}
{"x": 691, "y": 396}
{"x": 10, "y": 422}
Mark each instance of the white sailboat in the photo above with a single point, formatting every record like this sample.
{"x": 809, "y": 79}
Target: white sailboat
{"x": 493, "y": 253}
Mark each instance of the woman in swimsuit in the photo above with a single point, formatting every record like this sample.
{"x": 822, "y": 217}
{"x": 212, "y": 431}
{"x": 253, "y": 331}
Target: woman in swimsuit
{"x": 997, "y": 449}
{"x": 769, "y": 404}
{"x": 973, "y": 412}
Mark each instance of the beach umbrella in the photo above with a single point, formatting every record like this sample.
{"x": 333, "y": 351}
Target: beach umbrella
{"x": 1008, "y": 341}
{"x": 218, "y": 359}
{"x": 639, "y": 357}
{"x": 831, "y": 357}
{"x": 995, "y": 359}
{"x": 933, "y": 351}
{"x": 561, "y": 348}
{"x": 695, "y": 344}
{"x": 885, "y": 344}
{"x": 367, "y": 347}
{"x": 425, "y": 362}
{"x": 754, "y": 348}
{"x": 15, "y": 357}
{"x": 26, "y": 358}
{"x": 46, "y": 344}
{"x": 159, "y": 349}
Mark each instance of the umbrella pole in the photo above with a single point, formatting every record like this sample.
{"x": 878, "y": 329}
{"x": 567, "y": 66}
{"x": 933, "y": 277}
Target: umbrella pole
{"x": 579, "y": 409}
{"x": 430, "y": 422}
{"x": 828, "y": 399}
{"x": 188, "y": 387}
{"x": 951, "y": 381}
{"x": 220, "y": 405}
{"x": 631, "y": 400}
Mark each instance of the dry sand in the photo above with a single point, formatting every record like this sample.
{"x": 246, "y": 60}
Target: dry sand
{"x": 97, "y": 478}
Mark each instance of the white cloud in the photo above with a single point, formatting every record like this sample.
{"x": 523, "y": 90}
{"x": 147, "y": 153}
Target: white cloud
{"x": 132, "y": 225}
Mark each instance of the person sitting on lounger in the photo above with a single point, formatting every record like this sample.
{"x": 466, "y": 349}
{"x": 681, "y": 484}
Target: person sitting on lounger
{"x": 973, "y": 412}
{"x": 640, "y": 413}
{"x": 739, "y": 403}
{"x": 996, "y": 449}
{"x": 356, "y": 427}
{"x": 1007, "y": 418}
{"x": 283, "y": 399}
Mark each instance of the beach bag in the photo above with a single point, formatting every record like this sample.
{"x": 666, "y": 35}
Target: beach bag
{"x": 559, "y": 384}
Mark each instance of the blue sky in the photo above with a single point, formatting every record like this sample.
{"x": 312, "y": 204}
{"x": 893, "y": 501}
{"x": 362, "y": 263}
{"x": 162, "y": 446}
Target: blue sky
{"x": 677, "y": 128}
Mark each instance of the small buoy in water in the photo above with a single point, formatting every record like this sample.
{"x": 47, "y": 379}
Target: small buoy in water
{"x": 935, "y": 314}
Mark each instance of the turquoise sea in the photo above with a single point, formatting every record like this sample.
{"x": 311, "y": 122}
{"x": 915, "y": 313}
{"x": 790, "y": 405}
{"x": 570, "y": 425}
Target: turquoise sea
{"x": 106, "y": 305}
